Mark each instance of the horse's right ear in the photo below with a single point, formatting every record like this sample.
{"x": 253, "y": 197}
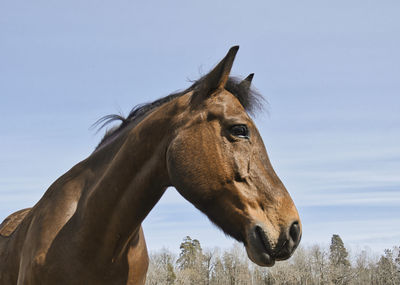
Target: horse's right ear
{"x": 216, "y": 78}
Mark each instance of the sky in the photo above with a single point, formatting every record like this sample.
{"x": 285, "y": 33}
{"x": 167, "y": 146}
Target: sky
{"x": 330, "y": 71}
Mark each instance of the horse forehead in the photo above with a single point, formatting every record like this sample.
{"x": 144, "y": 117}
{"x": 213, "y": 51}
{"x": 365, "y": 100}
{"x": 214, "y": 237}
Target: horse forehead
{"x": 225, "y": 103}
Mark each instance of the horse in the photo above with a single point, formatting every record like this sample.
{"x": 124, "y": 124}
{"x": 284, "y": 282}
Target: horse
{"x": 86, "y": 229}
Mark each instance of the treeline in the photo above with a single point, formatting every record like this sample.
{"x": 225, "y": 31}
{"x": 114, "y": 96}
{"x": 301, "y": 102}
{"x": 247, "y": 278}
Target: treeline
{"x": 309, "y": 265}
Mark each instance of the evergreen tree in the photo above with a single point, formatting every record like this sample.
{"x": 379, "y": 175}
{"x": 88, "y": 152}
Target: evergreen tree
{"x": 340, "y": 270}
{"x": 191, "y": 263}
{"x": 190, "y": 252}
{"x": 338, "y": 253}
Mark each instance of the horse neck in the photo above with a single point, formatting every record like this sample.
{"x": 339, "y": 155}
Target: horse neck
{"x": 129, "y": 183}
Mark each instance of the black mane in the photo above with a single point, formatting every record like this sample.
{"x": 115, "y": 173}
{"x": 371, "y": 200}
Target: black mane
{"x": 251, "y": 101}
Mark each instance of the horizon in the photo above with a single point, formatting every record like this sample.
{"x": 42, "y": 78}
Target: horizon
{"x": 329, "y": 71}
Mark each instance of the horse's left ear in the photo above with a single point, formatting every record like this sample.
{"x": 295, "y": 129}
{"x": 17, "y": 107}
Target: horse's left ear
{"x": 216, "y": 78}
{"x": 246, "y": 83}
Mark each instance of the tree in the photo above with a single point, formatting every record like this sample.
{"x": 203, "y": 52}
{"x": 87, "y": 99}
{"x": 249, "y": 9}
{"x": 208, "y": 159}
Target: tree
{"x": 339, "y": 263}
{"x": 190, "y": 252}
{"x": 191, "y": 263}
{"x": 302, "y": 266}
{"x": 396, "y": 250}
{"x": 362, "y": 270}
{"x": 161, "y": 269}
{"x": 218, "y": 276}
{"x": 319, "y": 263}
{"x": 387, "y": 271}
{"x": 236, "y": 265}
{"x": 208, "y": 265}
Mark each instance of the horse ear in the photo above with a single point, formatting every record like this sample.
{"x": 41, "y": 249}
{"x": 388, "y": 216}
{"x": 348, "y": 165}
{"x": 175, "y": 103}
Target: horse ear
{"x": 217, "y": 78}
{"x": 246, "y": 83}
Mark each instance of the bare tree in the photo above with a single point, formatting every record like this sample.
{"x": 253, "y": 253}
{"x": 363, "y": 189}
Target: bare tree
{"x": 387, "y": 270}
{"x": 319, "y": 265}
{"x": 161, "y": 268}
{"x": 208, "y": 265}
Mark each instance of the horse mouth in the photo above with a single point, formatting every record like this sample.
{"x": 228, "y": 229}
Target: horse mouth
{"x": 261, "y": 236}
{"x": 258, "y": 248}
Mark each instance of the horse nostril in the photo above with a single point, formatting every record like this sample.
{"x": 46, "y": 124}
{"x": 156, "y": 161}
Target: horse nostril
{"x": 294, "y": 232}
{"x": 289, "y": 242}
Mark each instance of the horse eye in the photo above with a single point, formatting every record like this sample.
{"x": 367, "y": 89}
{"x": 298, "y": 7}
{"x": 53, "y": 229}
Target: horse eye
{"x": 240, "y": 131}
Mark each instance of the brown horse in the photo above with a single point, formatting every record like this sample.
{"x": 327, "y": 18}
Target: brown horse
{"x": 86, "y": 229}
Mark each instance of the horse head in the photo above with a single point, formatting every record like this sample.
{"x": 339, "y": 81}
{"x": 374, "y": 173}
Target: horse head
{"x": 217, "y": 160}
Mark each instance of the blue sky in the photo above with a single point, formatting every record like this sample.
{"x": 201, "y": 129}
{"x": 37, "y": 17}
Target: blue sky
{"x": 330, "y": 71}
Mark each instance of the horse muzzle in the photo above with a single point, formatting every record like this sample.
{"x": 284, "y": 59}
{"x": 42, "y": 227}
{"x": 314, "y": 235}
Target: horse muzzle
{"x": 264, "y": 252}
